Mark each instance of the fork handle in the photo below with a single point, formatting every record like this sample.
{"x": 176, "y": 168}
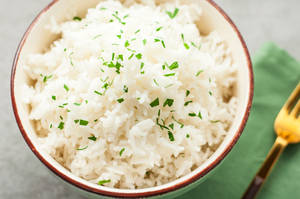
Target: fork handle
{"x": 264, "y": 171}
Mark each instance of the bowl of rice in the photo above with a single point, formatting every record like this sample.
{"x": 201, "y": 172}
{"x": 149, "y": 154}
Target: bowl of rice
{"x": 132, "y": 99}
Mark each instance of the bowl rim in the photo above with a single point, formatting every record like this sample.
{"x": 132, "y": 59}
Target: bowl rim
{"x": 149, "y": 193}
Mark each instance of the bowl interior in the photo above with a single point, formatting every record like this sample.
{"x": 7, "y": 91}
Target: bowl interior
{"x": 38, "y": 39}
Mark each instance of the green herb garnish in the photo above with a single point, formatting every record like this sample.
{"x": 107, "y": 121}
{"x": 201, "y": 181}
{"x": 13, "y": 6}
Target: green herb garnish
{"x": 82, "y": 148}
{"x": 93, "y": 138}
{"x": 83, "y": 122}
{"x": 174, "y": 65}
{"x": 159, "y": 28}
{"x": 101, "y": 182}
{"x": 61, "y": 125}
{"x": 171, "y": 126}
{"x": 118, "y": 18}
{"x": 45, "y": 79}
{"x": 136, "y": 32}
{"x": 125, "y": 89}
{"x": 138, "y": 56}
{"x": 187, "y": 103}
{"x": 76, "y": 18}
{"x": 199, "y": 72}
{"x": 200, "y": 115}
{"x": 122, "y": 151}
{"x": 163, "y": 43}
{"x": 192, "y": 114}
{"x": 187, "y": 136}
{"x": 214, "y": 121}
{"x": 76, "y": 121}
{"x": 77, "y": 104}
{"x": 168, "y": 102}
{"x": 154, "y": 102}
{"x": 171, "y": 136}
{"x": 98, "y": 93}
{"x": 144, "y": 41}
{"x": 210, "y": 93}
{"x": 170, "y": 74}
{"x": 54, "y": 97}
{"x": 66, "y": 87}
{"x": 120, "y": 100}
{"x": 173, "y": 14}
{"x": 154, "y": 80}
{"x": 187, "y": 92}
{"x": 126, "y": 43}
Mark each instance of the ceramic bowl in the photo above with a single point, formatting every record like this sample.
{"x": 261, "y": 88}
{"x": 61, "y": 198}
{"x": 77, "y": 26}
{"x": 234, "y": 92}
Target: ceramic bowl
{"x": 37, "y": 38}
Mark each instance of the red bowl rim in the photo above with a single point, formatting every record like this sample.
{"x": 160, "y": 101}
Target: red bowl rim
{"x": 146, "y": 193}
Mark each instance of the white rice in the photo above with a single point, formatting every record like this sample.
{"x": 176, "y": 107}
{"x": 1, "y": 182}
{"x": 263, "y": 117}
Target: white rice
{"x": 122, "y": 143}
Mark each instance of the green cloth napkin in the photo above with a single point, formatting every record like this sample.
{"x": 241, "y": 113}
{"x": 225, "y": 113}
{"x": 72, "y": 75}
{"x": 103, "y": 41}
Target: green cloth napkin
{"x": 276, "y": 75}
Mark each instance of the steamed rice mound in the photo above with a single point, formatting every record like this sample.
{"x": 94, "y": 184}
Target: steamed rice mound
{"x": 132, "y": 96}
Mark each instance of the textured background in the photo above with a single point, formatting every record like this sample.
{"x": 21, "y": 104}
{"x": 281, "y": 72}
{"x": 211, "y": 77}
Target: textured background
{"x": 21, "y": 174}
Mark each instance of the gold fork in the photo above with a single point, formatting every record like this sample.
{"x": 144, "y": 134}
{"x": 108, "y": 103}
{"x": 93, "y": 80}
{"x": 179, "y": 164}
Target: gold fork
{"x": 287, "y": 128}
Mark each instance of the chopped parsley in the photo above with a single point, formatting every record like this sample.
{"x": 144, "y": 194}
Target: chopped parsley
{"x": 130, "y": 57}
{"x": 102, "y": 8}
{"x": 136, "y": 32}
{"x": 187, "y": 136}
{"x": 158, "y": 113}
{"x": 170, "y": 74}
{"x": 154, "y": 80}
{"x": 186, "y": 46}
{"x": 80, "y": 149}
{"x": 98, "y": 93}
{"x": 199, "y": 72}
{"x": 66, "y": 87}
{"x": 119, "y": 36}
{"x": 60, "y": 117}
{"x": 53, "y": 97}
{"x": 46, "y": 78}
{"x": 154, "y": 102}
{"x": 77, "y": 104}
{"x": 200, "y": 115}
{"x": 51, "y": 126}
{"x": 122, "y": 151}
{"x": 145, "y": 41}
{"x": 163, "y": 43}
{"x": 126, "y": 43}
{"x": 192, "y": 114}
{"x": 187, "y": 92}
{"x": 174, "y": 65}
{"x": 113, "y": 56}
{"x": 61, "y": 125}
{"x": 171, "y": 126}
{"x": 187, "y": 103}
{"x": 76, "y": 18}
{"x": 168, "y": 102}
{"x": 93, "y": 138}
{"x": 159, "y": 28}
{"x": 138, "y": 56}
{"x": 120, "y": 57}
{"x": 142, "y": 65}
{"x": 198, "y": 47}
{"x": 118, "y": 18}
{"x": 76, "y": 121}
{"x": 125, "y": 89}
{"x": 101, "y": 182}
{"x": 173, "y": 14}
{"x": 83, "y": 122}
{"x": 126, "y": 16}
{"x": 210, "y": 93}
{"x": 214, "y": 121}
{"x": 171, "y": 136}
{"x": 120, "y": 100}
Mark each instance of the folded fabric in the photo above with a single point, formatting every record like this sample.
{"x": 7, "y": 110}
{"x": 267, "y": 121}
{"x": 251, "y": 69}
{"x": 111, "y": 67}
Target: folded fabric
{"x": 276, "y": 74}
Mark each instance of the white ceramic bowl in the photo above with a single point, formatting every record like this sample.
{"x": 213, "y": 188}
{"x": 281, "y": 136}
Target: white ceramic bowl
{"x": 37, "y": 38}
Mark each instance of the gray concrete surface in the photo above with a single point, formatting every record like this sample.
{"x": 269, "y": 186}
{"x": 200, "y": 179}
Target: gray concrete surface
{"x": 21, "y": 174}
